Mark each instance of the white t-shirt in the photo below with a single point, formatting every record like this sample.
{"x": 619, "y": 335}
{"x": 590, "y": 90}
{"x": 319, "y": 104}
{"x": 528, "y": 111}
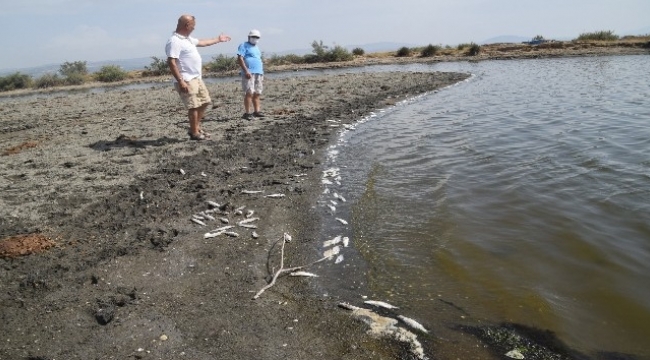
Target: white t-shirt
{"x": 183, "y": 49}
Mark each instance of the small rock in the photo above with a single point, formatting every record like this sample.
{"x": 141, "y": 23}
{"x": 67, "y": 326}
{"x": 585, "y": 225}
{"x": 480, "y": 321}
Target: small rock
{"x": 515, "y": 354}
{"x": 163, "y": 337}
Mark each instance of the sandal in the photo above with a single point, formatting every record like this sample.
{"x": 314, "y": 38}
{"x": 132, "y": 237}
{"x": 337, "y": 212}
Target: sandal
{"x": 198, "y": 137}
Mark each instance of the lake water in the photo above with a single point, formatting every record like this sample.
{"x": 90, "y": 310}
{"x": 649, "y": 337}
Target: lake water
{"x": 521, "y": 195}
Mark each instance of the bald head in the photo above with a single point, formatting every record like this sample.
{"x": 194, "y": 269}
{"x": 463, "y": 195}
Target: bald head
{"x": 185, "y": 24}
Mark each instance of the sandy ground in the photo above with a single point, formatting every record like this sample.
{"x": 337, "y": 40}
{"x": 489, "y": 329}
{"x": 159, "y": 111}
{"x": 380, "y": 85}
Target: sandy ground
{"x": 130, "y": 276}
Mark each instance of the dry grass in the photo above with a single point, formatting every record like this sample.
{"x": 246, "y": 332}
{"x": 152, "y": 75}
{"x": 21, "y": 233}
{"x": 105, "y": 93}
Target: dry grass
{"x": 18, "y": 148}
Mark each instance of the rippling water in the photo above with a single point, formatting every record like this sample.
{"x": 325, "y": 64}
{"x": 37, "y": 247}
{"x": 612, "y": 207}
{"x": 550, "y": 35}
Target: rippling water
{"x": 521, "y": 195}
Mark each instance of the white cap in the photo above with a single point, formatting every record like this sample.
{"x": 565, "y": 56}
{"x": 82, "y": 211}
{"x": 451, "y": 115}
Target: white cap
{"x": 255, "y": 33}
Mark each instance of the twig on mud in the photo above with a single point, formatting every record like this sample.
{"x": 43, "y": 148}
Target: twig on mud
{"x": 282, "y": 270}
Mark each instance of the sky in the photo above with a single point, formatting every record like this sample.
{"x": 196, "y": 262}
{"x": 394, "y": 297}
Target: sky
{"x": 45, "y": 32}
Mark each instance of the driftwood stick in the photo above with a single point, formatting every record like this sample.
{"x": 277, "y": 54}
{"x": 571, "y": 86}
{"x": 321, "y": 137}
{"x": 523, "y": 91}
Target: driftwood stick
{"x": 282, "y": 270}
{"x": 275, "y": 277}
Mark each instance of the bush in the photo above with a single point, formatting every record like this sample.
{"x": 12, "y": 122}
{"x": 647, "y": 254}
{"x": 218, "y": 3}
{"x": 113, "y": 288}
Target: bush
{"x": 599, "y": 35}
{"x": 71, "y": 68}
{"x": 222, "y": 63}
{"x": 285, "y": 59}
{"x": 429, "y": 51}
{"x": 322, "y": 53}
{"x": 157, "y": 67}
{"x": 48, "y": 80}
{"x": 358, "y": 52}
{"x": 75, "y": 79}
{"x": 15, "y": 81}
{"x": 338, "y": 53}
{"x": 403, "y": 52}
{"x": 110, "y": 73}
{"x": 474, "y": 49}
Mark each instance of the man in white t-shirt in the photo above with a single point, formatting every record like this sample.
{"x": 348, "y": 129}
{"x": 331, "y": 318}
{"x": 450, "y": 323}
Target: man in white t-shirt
{"x": 185, "y": 63}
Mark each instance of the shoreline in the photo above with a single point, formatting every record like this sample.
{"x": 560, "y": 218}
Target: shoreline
{"x": 499, "y": 51}
{"x": 131, "y": 276}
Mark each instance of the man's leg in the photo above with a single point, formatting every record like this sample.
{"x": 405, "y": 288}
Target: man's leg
{"x": 193, "y": 115}
{"x": 248, "y": 100}
{"x": 201, "y": 114}
{"x": 256, "y": 102}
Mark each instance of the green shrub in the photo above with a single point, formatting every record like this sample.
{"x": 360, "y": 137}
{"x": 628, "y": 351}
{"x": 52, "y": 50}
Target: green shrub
{"x": 110, "y": 73}
{"x": 70, "y": 68}
{"x": 15, "y": 81}
{"x": 403, "y": 52}
{"x": 157, "y": 67}
{"x": 474, "y": 49}
{"x": 75, "y": 79}
{"x": 48, "y": 80}
{"x": 599, "y": 35}
{"x": 358, "y": 51}
{"x": 338, "y": 53}
{"x": 429, "y": 50}
{"x": 322, "y": 53}
{"x": 285, "y": 59}
{"x": 222, "y": 63}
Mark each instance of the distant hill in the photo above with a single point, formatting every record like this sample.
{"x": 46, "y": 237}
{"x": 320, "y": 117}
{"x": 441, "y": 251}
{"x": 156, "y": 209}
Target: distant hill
{"x": 505, "y": 39}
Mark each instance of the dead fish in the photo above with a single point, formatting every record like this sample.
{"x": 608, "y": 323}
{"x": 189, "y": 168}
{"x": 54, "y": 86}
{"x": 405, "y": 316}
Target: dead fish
{"x": 224, "y": 220}
{"x": 203, "y": 174}
{"x": 303, "y": 273}
{"x": 334, "y": 241}
{"x": 333, "y": 202}
{"x": 213, "y": 204}
{"x": 380, "y": 304}
{"x": 287, "y": 237}
{"x": 182, "y": 172}
{"x": 412, "y": 323}
{"x": 248, "y": 220}
{"x": 326, "y": 182}
{"x": 340, "y": 197}
{"x": 231, "y": 234}
{"x": 339, "y": 259}
{"x": 332, "y": 208}
{"x": 251, "y": 191}
{"x": 273, "y": 196}
{"x": 210, "y": 235}
{"x": 209, "y": 217}
{"x": 248, "y": 226}
{"x": 255, "y": 235}
{"x": 346, "y": 241}
{"x": 198, "y": 217}
{"x": 198, "y": 221}
{"x": 141, "y": 195}
{"x": 348, "y": 306}
{"x": 223, "y": 228}
{"x": 342, "y": 221}
{"x": 331, "y": 252}
{"x": 250, "y": 213}
{"x": 326, "y": 191}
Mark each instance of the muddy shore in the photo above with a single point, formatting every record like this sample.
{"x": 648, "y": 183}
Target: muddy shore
{"x": 124, "y": 273}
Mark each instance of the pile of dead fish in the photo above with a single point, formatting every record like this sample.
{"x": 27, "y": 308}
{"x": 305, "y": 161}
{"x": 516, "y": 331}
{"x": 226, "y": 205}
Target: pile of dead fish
{"x": 219, "y": 213}
{"x": 388, "y": 326}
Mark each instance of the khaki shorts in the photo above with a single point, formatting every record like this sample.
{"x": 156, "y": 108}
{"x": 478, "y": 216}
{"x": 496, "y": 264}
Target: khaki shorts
{"x": 197, "y": 94}
{"x": 254, "y": 85}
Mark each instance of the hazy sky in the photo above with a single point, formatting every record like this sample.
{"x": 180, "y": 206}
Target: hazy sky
{"x": 40, "y": 32}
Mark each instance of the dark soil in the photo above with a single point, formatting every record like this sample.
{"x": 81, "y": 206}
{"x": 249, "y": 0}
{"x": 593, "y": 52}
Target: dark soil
{"x": 130, "y": 275}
